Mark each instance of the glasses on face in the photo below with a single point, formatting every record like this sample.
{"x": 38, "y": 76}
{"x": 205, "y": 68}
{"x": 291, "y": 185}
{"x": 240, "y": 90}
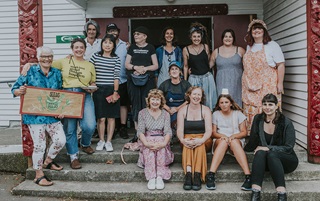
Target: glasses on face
{"x": 50, "y": 57}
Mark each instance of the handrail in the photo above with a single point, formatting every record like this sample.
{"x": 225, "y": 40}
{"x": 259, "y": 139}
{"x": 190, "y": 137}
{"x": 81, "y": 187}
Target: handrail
{"x": 8, "y": 82}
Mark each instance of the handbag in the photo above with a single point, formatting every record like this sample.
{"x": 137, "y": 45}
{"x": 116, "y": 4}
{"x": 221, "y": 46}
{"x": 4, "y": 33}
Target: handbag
{"x": 139, "y": 80}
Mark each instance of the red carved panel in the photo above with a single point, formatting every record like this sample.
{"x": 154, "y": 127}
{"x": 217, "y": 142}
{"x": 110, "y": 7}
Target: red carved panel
{"x": 170, "y": 11}
{"x": 313, "y": 10}
{"x": 28, "y": 42}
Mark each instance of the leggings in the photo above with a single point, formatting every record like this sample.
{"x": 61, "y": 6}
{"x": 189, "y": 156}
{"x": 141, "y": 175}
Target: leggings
{"x": 278, "y": 163}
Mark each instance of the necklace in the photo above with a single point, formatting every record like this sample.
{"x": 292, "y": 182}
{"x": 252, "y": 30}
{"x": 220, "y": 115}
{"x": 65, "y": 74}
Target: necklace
{"x": 268, "y": 122}
{"x": 197, "y": 52}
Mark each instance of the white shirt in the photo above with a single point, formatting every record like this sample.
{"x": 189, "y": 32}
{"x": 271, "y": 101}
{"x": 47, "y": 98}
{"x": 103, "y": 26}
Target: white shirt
{"x": 272, "y": 51}
{"x": 91, "y": 49}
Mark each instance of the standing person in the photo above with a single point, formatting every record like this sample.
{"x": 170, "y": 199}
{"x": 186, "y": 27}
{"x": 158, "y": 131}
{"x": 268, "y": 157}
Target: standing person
{"x": 141, "y": 62}
{"x": 229, "y": 131}
{"x": 272, "y": 139}
{"x": 42, "y": 76}
{"x": 167, "y": 52}
{"x": 174, "y": 90}
{"x": 107, "y": 65}
{"x": 264, "y": 68}
{"x": 228, "y": 61}
{"x": 196, "y": 59}
{"x": 155, "y": 133}
{"x": 194, "y": 129}
{"x": 78, "y": 75}
{"x": 91, "y": 32}
{"x": 121, "y": 52}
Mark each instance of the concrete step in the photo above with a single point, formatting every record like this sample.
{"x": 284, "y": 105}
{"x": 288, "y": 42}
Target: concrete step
{"x": 297, "y": 191}
{"x": 132, "y": 156}
{"x": 132, "y": 173}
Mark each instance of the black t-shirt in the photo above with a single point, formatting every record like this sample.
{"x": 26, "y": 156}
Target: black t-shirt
{"x": 175, "y": 88}
{"x": 141, "y": 56}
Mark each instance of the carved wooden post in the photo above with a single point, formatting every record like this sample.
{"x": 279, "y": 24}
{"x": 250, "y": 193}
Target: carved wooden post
{"x": 30, "y": 28}
{"x": 313, "y": 32}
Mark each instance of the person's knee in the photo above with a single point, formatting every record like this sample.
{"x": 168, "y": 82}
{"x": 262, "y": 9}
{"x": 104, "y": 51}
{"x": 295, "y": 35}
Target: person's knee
{"x": 39, "y": 148}
{"x": 260, "y": 153}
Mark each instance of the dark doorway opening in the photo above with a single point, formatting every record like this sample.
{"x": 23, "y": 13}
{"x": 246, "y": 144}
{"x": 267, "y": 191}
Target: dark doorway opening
{"x": 180, "y": 25}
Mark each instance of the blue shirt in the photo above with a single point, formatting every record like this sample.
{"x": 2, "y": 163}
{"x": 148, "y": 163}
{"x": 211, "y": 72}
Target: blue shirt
{"x": 35, "y": 77}
{"x": 121, "y": 51}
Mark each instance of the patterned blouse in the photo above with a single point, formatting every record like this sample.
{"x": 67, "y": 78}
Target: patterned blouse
{"x": 147, "y": 123}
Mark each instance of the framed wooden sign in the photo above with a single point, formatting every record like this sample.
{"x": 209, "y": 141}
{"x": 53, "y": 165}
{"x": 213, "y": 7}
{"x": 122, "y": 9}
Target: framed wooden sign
{"x": 51, "y": 102}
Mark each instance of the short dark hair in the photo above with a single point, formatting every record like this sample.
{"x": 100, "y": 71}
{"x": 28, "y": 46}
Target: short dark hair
{"x": 232, "y": 34}
{"x": 271, "y": 98}
{"x": 81, "y": 40}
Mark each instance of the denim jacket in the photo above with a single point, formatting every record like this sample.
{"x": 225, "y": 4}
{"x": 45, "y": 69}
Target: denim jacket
{"x": 159, "y": 51}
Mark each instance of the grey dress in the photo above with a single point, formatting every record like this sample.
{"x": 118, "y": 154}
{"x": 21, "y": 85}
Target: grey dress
{"x": 229, "y": 75}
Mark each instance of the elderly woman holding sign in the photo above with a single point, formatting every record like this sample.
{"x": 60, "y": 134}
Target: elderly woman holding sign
{"x": 43, "y": 76}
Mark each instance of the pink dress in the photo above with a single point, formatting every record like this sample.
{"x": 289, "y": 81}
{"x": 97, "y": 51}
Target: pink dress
{"x": 155, "y": 163}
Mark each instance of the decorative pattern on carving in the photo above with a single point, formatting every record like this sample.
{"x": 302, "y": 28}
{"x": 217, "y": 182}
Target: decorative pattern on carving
{"x": 28, "y": 42}
{"x": 170, "y": 11}
{"x": 314, "y": 83}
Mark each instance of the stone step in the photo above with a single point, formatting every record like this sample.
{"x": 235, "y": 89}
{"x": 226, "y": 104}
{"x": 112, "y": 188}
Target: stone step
{"x": 297, "y": 191}
{"x": 132, "y": 156}
{"x": 132, "y": 173}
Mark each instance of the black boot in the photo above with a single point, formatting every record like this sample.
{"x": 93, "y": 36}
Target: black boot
{"x": 210, "y": 183}
{"x": 196, "y": 181}
{"x": 123, "y": 132}
{"x": 187, "y": 181}
{"x": 282, "y": 196}
{"x": 255, "y": 196}
{"x": 134, "y": 139}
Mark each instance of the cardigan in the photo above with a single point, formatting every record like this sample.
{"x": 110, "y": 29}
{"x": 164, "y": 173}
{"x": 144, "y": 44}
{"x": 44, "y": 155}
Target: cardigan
{"x": 283, "y": 139}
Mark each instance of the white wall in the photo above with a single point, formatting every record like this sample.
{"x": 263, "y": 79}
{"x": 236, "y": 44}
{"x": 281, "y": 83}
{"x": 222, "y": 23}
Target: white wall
{"x": 61, "y": 18}
{"x": 286, "y": 21}
{"x": 103, "y": 8}
{"x": 9, "y": 60}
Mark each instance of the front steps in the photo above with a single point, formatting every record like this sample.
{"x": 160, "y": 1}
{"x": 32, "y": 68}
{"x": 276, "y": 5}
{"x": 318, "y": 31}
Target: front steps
{"x": 98, "y": 180}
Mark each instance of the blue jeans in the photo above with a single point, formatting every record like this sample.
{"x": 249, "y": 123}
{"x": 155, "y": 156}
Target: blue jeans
{"x": 87, "y": 124}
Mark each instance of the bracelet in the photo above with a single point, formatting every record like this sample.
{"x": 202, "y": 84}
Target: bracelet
{"x": 132, "y": 68}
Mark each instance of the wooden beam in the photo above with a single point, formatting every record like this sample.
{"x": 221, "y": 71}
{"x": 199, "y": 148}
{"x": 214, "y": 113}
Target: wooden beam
{"x": 82, "y": 4}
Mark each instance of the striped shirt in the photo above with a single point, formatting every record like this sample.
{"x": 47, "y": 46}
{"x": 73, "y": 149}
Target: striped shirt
{"x": 107, "y": 69}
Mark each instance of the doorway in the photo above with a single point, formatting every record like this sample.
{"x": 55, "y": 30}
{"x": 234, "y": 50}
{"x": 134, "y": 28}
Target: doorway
{"x": 180, "y": 25}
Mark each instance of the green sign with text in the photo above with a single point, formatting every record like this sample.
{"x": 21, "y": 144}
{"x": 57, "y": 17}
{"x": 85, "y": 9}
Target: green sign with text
{"x": 67, "y": 38}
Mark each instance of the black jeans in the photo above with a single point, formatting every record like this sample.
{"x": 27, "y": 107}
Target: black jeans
{"x": 278, "y": 163}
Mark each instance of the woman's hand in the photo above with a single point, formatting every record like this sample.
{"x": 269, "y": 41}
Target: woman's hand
{"x": 197, "y": 142}
{"x": 115, "y": 97}
{"x": 173, "y": 110}
{"x": 187, "y": 142}
{"x": 261, "y": 148}
{"x": 92, "y": 90}
{"x": 232, "y": 137}
{"x": 61, "y": 116}
{"x": 26, "y": 68}
{"x": 159, "y": 145}
{"x": 22, "y": 90}
{"x": 225, "y": 138}
{"x": 280, "y": 88}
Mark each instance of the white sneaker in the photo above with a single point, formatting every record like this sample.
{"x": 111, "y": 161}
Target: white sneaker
{"x": 108, "y": 146}
{"x": 100, "y": 145}
{"x": 152, "y": 184}
{"x": 159, "y": 183}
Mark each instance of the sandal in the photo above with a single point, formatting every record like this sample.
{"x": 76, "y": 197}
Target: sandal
{"x": 38, "y": 180}
{"x": 50, "y": 167}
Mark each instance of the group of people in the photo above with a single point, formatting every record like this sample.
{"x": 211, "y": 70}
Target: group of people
{"x": 171, "y": 91}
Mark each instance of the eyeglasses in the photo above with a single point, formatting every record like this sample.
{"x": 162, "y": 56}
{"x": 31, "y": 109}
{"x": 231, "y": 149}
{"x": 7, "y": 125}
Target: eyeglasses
{"x": 46, "y": 57}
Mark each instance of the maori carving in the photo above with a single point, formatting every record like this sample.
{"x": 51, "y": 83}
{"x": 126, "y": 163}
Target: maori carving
{"x": 28, "y": 42}
{"x": 314, "y": 84}
{"x": 170, "y": 11}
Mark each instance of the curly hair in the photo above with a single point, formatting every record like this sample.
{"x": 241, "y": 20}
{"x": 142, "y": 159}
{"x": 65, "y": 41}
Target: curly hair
{"x": 199, "y": 28}
{"x": 156, "y": 93}
{"x": 234, "y": 105}
{"x": 189, "y": 91}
